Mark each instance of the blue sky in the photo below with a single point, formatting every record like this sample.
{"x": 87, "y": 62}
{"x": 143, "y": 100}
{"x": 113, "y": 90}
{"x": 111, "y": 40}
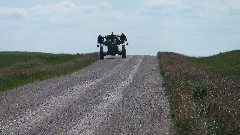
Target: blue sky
{"x": 190, "y": 27}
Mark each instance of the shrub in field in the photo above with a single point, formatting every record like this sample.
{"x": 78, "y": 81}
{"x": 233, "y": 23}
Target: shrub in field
{"x": 200, "y": 89}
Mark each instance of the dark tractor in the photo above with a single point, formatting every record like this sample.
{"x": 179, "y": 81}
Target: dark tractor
{"x": 112, "y": 42}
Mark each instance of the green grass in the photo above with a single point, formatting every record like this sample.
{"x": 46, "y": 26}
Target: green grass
{"x": 10, "y": 58}
{"x": 20, "y": 68}
{"x": 226, "y": 64}
{"x": 203, "y": 93}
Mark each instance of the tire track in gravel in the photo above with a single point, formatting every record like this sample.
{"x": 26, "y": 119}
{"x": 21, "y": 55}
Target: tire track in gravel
{"x": 113, "y": 96}
{"x": 143, "y": 108}
{"x": 90, "y": 122}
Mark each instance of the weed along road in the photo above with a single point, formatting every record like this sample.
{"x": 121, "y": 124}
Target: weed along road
{"x": 112, "y": 96}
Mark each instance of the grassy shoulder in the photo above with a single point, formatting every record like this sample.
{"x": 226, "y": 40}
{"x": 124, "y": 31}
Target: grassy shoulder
{"x": 20, "y": 68}
{"x": 203, "y": 93}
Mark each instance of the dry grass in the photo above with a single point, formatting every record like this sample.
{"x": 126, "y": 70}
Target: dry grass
{"x": 202, "y": 101}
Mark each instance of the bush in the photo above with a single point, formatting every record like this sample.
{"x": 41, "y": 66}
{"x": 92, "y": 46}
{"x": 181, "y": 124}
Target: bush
{"x": 200, "y": 89}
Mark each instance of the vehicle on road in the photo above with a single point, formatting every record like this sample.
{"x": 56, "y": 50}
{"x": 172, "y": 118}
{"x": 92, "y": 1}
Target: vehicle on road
{"x": 112, "y": 42}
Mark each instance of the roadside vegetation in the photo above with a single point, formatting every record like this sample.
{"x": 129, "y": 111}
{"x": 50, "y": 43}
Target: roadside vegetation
{"x": 203, "y": 93}
{"x": 20, "y": 68}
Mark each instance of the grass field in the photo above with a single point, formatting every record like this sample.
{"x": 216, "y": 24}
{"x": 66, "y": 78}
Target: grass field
{"x": 20, "y": 68}
{"x": 225, "y": 64}
{"x": 204, "y": 93}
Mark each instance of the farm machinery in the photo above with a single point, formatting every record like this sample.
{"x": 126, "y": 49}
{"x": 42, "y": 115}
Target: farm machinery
{"x": 112, "y": 42}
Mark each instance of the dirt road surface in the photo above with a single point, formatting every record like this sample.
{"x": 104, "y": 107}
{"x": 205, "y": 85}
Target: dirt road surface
{"x": 112, "y": 96}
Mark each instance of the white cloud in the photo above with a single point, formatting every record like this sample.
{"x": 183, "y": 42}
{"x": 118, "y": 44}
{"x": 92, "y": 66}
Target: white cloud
{"x": 156, "y": 3}
{"x": 69, "y": 11}
{"x": 61, "y": 8}
{"x": 7, "y": 11}
{"x": 204, "y": 7}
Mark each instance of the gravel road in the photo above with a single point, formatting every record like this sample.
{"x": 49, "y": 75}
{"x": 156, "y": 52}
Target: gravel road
{"x": 112, "y": 96}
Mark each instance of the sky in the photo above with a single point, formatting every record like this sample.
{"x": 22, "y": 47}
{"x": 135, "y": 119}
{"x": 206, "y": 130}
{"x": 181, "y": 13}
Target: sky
{"x": 190, "y": 27}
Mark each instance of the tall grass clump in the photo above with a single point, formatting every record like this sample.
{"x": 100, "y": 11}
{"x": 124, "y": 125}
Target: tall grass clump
{"x": 204, "y": 98}
{"x": 20, "y": 68}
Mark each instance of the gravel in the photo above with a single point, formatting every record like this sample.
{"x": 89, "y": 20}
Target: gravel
{"x": 112, "y": 96}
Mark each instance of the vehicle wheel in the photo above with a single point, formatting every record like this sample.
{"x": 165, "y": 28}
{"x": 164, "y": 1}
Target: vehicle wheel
{"x": 101, "y": 54}
{"x": 123, "y": 52}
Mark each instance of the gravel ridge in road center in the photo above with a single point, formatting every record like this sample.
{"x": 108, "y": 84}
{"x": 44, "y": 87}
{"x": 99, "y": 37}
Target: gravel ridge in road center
{"x": 112, "y": 96}
{"x": 97, "y": 116}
